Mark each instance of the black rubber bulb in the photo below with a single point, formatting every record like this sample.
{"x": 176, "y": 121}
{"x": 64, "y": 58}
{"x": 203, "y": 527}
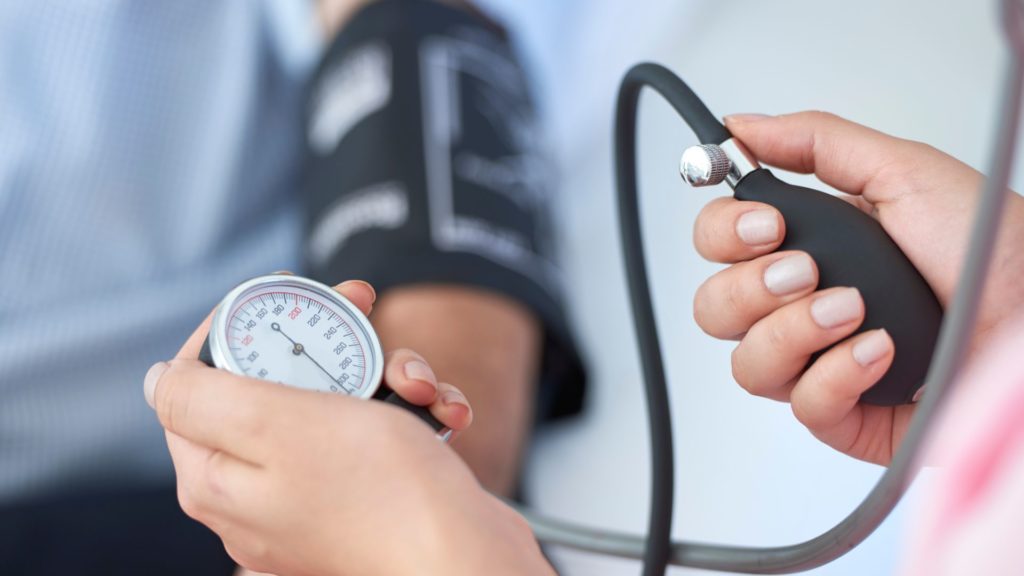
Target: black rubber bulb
{"x": 852, "y": 249}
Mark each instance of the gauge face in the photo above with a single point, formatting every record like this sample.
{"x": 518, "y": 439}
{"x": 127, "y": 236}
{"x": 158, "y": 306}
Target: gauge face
{"x": 298, "y": 332}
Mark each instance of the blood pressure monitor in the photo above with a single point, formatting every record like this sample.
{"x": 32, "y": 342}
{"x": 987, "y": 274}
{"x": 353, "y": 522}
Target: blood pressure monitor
{"x": 301, "y": 333}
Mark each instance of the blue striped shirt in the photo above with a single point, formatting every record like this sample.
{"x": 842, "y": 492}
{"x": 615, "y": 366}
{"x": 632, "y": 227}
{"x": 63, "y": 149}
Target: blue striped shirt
{"x": 148, "y": 154}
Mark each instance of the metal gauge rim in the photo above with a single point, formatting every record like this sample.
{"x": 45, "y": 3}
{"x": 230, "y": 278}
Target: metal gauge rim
{"x": 218, "y": 326}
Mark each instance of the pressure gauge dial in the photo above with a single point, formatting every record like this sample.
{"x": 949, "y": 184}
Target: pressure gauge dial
{"x": 301, "y": 333}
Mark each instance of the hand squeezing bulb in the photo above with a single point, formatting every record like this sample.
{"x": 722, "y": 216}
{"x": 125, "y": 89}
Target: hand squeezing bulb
{"x": 850, "y": 248}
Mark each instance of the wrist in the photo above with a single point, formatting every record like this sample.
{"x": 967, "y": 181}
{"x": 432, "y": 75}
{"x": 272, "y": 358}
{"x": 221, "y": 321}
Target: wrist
{"x": 461, "y": 530}
{"x": 490, "y": 539}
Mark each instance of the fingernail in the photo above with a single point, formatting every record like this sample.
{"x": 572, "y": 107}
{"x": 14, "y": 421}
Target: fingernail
{"x": 368, "y": 286}
{"x": 918, "y": 394}
{"x": 790, "y": 274}
{"x": 454, "y": 397}
{"x": 149, "y": 384}
{"x": 758, "y": 227}
{"x": 746, "y": 117}
{"x": 872, "y": 348}
{"x": 416, "y": 370}
{"x": 837, "y": 308}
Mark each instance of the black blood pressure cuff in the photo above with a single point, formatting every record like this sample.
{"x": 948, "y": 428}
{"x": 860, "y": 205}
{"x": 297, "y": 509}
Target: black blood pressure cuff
{"x": 424, "y": 165}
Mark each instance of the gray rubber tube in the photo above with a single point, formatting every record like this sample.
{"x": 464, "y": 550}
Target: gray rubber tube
{"x": 954, "y": 339}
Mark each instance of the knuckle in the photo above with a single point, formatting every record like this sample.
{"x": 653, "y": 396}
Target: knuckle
{"x": 823, "y": 375}
{"x": 807, "y": 410}
{"x": 739, "y": 370}
{"x": 700, "y": 240}
{"x": 253, "y": 554}
{"x": 703, "y": 308}
{"x": 776, "y": 336}
{"x": 176, "y": 405}
{"x": 259, "y": 551}
{"x": 821, "y": 116}
{"x": 909, "y": 164}
{"x": 214, "y": 476}
{"x": 707, "y": 231}
{"x": 238, "y": 556}
{"x": 721, "y": 305}
{"x": 735, "y": 299}
{"x": 813, "y": 394}
{"x": 253, "y": 427}
{"x": 801, "y": 409}
{"x": 188, "y": 502}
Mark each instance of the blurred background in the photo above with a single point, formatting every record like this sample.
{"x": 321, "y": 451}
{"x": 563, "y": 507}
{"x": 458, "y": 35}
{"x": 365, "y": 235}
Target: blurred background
{"x": 747, "y": 471}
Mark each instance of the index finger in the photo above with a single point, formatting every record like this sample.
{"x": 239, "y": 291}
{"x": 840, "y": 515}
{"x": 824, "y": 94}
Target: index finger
{"x": 190, "y": 350}
{"x": 843, "y": 154}
{"x": 359, "y": 293}
{"x": 215, "y": 408}
{"x": 729, "y": 230}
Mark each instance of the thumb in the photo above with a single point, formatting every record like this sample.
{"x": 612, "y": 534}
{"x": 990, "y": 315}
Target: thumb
{"x": 359, "y": 293}
{"x": 921, "y": 196}
{"x": 843, "y": 154}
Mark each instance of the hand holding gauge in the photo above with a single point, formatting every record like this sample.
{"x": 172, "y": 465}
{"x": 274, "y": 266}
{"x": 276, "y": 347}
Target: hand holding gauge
{"x": 285, "y": 475}
{"x": 299, "y": 332}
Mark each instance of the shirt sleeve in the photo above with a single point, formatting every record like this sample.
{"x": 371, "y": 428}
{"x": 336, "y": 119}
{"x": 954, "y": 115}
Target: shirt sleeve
{"x": 424, "y": 165}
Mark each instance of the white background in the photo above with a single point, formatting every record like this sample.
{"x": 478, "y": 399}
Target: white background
{"x": 747, "y": 472}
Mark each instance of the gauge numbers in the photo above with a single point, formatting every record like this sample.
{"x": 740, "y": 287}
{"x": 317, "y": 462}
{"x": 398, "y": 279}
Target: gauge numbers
{"x": 298, "y": 332}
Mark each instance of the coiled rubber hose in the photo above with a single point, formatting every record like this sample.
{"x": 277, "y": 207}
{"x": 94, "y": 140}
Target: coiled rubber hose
{"x": 658, "y": 550}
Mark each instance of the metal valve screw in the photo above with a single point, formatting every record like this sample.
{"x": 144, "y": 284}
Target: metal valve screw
{"x": 704, "y": 165}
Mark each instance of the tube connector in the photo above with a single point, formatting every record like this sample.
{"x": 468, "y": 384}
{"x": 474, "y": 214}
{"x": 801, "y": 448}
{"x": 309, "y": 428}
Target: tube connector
{"x": 704, "y": 165}
{"x": 710, "y": 164}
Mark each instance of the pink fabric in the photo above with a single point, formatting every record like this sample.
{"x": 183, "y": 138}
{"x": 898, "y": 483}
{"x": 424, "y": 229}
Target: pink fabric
{"x": 971, "y": 520}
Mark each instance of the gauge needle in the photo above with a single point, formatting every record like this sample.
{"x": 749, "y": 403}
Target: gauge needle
{"x": 299, "y": 349}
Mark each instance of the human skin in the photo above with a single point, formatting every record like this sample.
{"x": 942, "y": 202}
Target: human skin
{"x": 300, "y": 482}
{"x": 489, "y": 343}
{"x": 923, "y": 198}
